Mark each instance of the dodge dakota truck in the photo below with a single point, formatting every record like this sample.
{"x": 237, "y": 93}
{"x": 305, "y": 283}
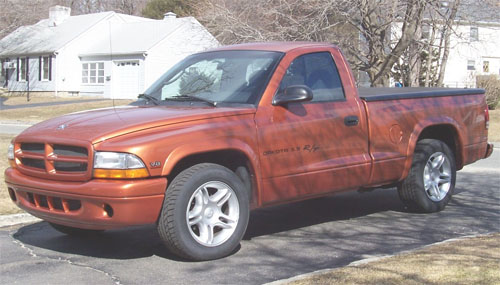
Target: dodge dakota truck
{"x": 238, "y": 128}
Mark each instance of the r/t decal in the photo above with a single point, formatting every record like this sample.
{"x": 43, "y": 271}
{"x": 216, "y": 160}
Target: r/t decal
{"x": 305, "y": 148}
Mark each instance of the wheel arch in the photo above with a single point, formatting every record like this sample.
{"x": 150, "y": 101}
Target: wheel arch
{"x": 236, "y": 156}
{"x": 445, "y": 130}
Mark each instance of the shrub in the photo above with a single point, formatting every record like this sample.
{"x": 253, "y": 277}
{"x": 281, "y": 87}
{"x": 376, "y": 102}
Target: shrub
{"x": 490, "y": 83}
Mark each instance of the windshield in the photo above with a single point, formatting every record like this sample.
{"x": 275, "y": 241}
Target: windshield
{"x": 217, "y": 77}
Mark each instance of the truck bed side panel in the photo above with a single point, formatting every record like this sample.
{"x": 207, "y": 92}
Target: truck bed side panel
{"x": 395, "y": 126}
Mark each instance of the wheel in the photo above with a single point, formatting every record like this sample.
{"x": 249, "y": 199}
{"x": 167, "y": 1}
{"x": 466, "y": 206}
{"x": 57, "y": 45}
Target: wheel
{"x": 75, "y": 231}
{"x": 431, "y": 181}
{"x": 205, "y": 213}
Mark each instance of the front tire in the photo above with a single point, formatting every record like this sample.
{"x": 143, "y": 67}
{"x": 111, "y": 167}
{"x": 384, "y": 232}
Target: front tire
{"x": 431, "y": 181}
{"x": 205, "y": 213}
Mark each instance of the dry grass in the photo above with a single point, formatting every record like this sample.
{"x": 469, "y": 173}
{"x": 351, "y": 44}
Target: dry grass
{"x": 494, "y": 131}
{"x": 469, "y": 261}
{"x": 6, "y": 205}
{"x": 21, "y": 100}
{"x": 43, "y": 113}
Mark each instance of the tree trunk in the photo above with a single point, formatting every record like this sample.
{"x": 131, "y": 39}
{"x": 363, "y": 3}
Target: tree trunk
{"x": 447, "y": 33}
{"x": 430, "y": 57}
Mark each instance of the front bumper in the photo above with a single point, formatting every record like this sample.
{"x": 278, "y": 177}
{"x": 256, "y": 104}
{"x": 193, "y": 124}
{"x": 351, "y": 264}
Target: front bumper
{"x": 96, "y": 204}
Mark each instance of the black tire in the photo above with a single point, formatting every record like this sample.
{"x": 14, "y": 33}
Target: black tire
{"x": 75, "y": 231}
{"x": 412, "y": 190}
{"x": 184, "y": 240}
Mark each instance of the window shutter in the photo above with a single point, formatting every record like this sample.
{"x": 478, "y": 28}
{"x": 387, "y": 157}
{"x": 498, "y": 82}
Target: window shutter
{"x": 50, "y": 68}
{"x": 27, "y": 69}
{"x": 18, "y": 69}
{"x": 39, "y": 68}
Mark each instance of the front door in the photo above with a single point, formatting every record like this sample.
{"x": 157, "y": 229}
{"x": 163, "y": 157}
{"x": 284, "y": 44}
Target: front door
{"x": 314, "y": 147}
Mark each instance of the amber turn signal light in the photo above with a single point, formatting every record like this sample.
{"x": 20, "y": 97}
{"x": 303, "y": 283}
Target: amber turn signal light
{"x": 121, "y": 173}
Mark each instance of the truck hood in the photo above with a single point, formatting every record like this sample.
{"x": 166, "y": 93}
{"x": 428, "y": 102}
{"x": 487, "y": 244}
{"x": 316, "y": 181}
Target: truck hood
{"x": 102, "y": 124}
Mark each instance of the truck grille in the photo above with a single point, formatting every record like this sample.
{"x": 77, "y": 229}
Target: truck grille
{"x": 53, "y": 161}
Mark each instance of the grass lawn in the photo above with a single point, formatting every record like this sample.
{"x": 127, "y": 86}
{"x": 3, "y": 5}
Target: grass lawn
{"x": 21, "y": 100}
{"x": 494, "y": 131}
{"x": 469, "y": 261}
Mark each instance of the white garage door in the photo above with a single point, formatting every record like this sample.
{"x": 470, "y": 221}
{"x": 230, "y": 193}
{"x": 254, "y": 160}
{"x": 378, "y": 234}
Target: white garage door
{"x": 127, "y": 79}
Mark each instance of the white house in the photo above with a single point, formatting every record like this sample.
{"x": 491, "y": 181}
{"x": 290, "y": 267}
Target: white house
{"x": 107, "y": 54}
{"x": 474, "y": 45}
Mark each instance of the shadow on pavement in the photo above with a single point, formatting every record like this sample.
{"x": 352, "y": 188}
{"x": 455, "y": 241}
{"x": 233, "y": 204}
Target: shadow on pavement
{"x": 143, "y": 241}
{"x": 348, "y": 226}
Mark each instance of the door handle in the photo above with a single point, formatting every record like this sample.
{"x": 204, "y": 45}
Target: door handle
{"x": 351, "y": 121}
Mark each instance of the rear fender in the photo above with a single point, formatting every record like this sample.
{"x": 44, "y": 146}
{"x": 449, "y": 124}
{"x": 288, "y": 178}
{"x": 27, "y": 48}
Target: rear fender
{"x": 420, "y": 127}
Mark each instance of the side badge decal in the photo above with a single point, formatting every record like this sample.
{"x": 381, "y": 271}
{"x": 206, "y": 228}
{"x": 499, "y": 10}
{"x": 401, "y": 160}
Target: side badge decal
{"x": 155, "y": 164}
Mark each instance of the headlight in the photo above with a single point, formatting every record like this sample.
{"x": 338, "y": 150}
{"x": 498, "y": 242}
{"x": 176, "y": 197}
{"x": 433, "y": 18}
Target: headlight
{"x": 118, "y": 165}
{"x": 10, "y": 151}
{"x": 10, "y": 155}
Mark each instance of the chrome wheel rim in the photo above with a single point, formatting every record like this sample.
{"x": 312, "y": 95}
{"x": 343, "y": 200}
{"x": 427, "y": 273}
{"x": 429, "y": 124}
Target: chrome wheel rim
{"x": 437, "y": 176}
{"x": 212, "y": 213}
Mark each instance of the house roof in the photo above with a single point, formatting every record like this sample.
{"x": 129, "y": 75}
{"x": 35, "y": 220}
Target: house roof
{"x": 129, "y": 35}
{"x": 43, "y": 38}
{"x": 133, "y": 38}
{"x": 479, "y": 11}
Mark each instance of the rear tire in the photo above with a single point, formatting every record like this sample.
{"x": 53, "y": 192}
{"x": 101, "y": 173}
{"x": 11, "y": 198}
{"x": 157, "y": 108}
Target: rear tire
{"x": 431, "y": 181}
{"x": 75, "y": 231}
{"x": 205, "y": 213}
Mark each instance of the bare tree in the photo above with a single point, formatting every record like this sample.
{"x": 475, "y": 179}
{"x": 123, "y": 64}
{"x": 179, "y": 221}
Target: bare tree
{"x": 235, "y": 21}
{"x": 361, "y": 27}
{"x": 444, "y": 45}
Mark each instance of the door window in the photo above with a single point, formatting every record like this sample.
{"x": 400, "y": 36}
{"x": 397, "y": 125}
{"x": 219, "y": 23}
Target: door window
{"x": 318, "y": 72}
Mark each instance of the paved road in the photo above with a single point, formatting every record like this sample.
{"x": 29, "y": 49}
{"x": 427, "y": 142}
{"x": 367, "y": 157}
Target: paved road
{"x": 12, "y": 129}
{"x": 281, "y": 241}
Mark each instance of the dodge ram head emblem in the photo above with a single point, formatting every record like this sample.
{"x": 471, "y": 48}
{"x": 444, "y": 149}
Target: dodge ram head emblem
{"x": 62, "y": 127}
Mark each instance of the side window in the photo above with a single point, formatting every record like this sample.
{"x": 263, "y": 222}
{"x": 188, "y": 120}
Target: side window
{"x": 318, "y": 72}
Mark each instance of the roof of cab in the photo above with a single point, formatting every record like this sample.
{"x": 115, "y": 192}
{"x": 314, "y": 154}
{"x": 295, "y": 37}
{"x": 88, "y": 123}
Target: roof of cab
{"x": 274, "y": 46}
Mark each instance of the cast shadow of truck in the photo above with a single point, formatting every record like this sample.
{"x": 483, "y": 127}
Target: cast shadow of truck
{"x": 376, "y": 218}
{"x": 143, "y": 241}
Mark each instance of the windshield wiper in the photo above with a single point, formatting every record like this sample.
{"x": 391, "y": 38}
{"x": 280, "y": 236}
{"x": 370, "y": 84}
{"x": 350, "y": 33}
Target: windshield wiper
{"x": 149, "y": 98}
{"x": 212, "y": 103}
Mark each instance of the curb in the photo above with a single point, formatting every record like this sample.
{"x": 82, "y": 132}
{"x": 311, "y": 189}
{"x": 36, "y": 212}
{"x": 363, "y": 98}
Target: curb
{"x": 15, "y": 219}
{"x": 371, "y": 259}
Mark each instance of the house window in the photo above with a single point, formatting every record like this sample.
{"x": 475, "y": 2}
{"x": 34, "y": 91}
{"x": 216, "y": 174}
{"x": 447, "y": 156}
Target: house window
{"x": 45, "y": 66}
{"x": 471, "y": 65}
{"x": 22, "y": 69}
{"x": 474, "y": 34}
{"x": 93, "y": 72}
{"x": 486, "y": 66}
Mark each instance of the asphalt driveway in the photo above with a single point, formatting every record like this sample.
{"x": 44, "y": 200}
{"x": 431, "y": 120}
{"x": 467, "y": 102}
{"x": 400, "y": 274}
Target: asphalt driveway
{"x": 281, "y": 241}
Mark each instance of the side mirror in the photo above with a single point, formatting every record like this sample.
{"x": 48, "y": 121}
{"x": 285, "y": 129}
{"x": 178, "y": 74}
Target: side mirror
{"x": 294, "y": 93}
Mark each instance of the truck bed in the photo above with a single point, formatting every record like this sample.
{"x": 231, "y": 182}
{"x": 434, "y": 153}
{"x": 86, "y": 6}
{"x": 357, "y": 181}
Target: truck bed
{"x": 387, "y": 93}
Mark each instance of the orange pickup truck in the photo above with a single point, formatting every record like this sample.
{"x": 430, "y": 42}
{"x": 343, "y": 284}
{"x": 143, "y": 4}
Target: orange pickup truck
{"x": 238, "y": 128}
